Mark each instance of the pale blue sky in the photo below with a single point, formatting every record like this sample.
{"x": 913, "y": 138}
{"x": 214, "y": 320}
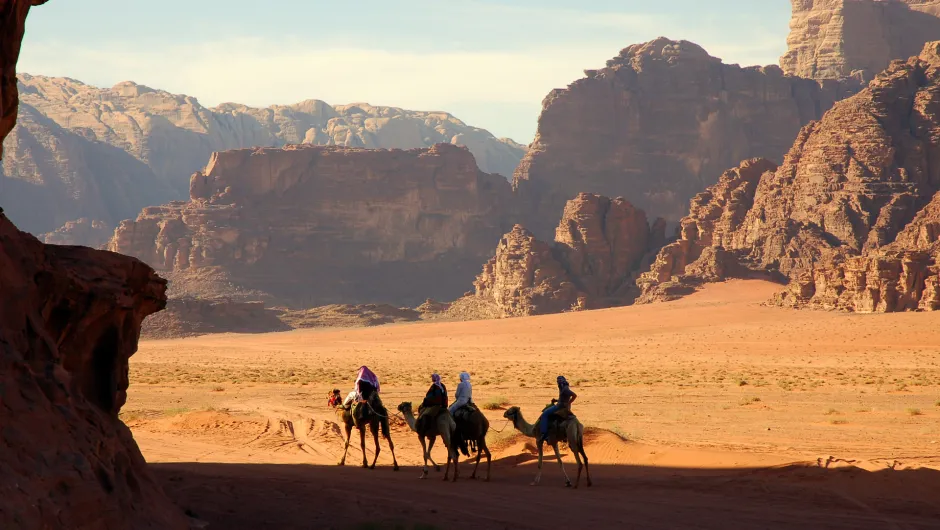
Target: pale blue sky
{"x": 490, "y": 63}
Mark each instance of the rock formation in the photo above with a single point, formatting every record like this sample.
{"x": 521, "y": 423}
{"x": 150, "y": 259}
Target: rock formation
{"x": 51, "y": 175}
{"x": 175, "y": 135}
{"x": 187, "y": 317}
{"x": 658, "y": 125}
{"x": 834, "y": 39}
{"x": 599, "y": 244}
{"x": 84, "y": 231}
{"x": 851, "y": 217}
{"x": 348, "y": 316}
{"x": 310, "y": 225}
{"x": 700, "y": 254}
{"x": 69, "y": 321}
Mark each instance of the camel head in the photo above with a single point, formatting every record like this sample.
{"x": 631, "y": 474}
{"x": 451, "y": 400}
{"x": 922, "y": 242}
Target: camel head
{"x": 405, "y": 408}
{"x": 512, "y": 413}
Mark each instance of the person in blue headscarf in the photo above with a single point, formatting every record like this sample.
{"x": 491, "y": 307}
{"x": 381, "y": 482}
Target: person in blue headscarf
{"x": 566, "y": 397}
{"x": 464, "y": 394}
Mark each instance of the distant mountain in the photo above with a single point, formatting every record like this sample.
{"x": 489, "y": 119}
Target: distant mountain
{"x": 51, "y": 175}
{"x": 175, "y": 134}
{"x": 101, "y": 155}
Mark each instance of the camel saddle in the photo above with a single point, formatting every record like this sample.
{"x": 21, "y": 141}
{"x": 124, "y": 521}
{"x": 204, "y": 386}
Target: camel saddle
{"x": 465, "y": 412}
{"x": 362, "y": 410}
{"x": 426, "y": 414}
{"x": 557, "y": 420}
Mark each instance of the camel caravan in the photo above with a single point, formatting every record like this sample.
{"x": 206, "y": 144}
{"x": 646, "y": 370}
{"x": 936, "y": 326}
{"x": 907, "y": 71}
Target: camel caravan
{"x": 461, "y": 426}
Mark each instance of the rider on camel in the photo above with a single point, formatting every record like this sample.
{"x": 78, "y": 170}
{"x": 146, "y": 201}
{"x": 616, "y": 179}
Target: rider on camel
{"x": 434, "y": 401}
{"x": 367, "y": 385}
{"x": 464, "y": 394}
{"x": 566, "y": 397}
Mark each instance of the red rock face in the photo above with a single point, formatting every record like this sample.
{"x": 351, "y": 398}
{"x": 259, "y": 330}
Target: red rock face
{"x": 716, "y": 216}
{"x": 851, "y": 217}
{"x": 380, "y": 225}
{"x": 69, "y": 321}
{"x": 833, "y": 39}
{"x": 658, "y": 125}
{"x": 599, "y": 244}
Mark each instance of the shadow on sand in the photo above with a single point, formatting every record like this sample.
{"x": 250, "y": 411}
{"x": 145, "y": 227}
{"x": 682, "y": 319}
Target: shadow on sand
{"x": 254, "y": 496}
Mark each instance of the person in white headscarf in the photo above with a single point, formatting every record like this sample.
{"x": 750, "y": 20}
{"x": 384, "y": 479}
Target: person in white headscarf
{"x": 463, "y": 395}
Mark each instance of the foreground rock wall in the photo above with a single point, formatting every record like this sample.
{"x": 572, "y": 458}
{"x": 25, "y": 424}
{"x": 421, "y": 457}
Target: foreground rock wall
{"x": 310, "y": 225}
{"x": 599, "y": 244}
{"x": 833, "y": 39}
{"x": 851, "y": 217}
{"x": 69, "y": 321}
{"x": 658, "y": 125}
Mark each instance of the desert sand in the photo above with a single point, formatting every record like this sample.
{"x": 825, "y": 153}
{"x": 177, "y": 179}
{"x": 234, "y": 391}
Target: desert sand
{"x": 715, "y": 411}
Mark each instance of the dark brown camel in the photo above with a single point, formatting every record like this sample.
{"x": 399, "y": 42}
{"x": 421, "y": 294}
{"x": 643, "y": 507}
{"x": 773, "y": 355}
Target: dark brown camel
{"x": 472, "y": 427}
{"x": 373, "y": 415}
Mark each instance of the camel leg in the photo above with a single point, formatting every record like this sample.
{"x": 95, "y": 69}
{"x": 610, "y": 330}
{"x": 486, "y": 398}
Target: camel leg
{"x": 452, "y": 454}
{"x": 538, "y": 476}
{"x": 391, "y": 447}
{"x": 587, "y": 470}
{"x": 431, "y": 441}
{"x": 489, "y": 462}
{"x": 375, "y": 436}
{"x": 424, "y": 449}
{"x": 479, "y": 456}
{"x": 562, "y": 464}
{"x": 362, "y": 444}
{"x": 577, "y": 458}
{"x": 342, "y": 461}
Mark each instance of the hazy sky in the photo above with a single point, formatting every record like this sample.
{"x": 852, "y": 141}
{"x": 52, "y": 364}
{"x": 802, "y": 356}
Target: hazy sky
{"x": 489, "y": 63}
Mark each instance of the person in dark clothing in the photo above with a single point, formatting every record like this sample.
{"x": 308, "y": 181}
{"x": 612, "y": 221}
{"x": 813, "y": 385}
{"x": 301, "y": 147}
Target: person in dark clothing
{"x": 437, "y": 394}
{"x": 566, "y": 397}
{"x": 434, "y": 402}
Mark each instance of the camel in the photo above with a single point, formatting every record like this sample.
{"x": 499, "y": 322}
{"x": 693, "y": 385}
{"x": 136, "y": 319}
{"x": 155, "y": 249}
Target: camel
{"x": 569, "y": 431}
{"x": 472, "y": 428}
{"x": 444, "y": 427}
{"x": 374, "y": 415}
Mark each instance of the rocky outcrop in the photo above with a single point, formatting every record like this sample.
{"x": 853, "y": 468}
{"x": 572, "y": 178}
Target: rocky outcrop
{"x": 658, "y": 125}
{"x": 599, "y": 244}
{"x": 715, "y": 218}
{"x": 69, "y": 321}
{"x": 175, "y": 135}
{"x": 84, "y": 231}
{"x": 851, "y": 217}
{"x": 188, "y": 317}
{"x": 834, "y": 39}
{"x": 51, "y": 175}
{"x": 348, "y": 316}
{"x": 310, "y": 225}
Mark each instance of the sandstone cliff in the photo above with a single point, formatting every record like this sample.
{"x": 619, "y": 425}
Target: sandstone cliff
{"x": 175, "y": 135}
{"x": 51, "y": 175}
{"x": 658, "y": 125}
{"x": 69, "y": 320}
{"x": 84, "y": 231}
{"x": 599, "y": 244}
{"x": 850, "y": 217}
{"x": 310, "y": 225}
{"x": 833, "y": 39}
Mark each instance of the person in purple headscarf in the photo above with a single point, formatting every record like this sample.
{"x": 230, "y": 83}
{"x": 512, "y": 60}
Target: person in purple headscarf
{"x": 435, "y": 401}
{"x": 366, "y": 384}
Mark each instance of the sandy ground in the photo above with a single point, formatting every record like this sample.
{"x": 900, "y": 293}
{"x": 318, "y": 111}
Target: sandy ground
{"x": 711, "y": 412}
